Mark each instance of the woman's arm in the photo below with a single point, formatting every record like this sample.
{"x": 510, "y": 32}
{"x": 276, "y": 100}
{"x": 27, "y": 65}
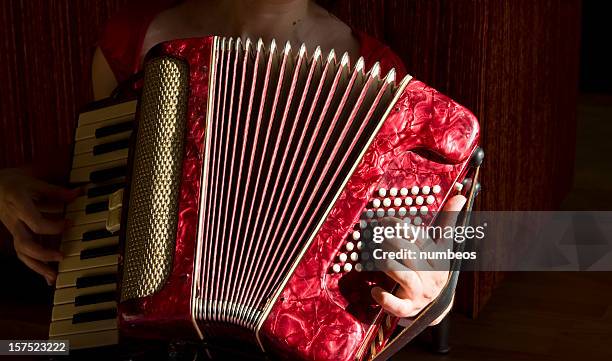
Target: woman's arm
{"x": 102, "y": 77}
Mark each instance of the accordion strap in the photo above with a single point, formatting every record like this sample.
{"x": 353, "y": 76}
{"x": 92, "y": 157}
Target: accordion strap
{"x": 444, "y": 299}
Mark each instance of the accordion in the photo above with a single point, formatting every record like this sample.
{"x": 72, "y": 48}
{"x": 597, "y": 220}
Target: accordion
{"x": 232, "y": 207}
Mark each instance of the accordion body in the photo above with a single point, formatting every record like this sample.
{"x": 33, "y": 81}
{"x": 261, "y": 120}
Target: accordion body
{"x": 250, "y": 170}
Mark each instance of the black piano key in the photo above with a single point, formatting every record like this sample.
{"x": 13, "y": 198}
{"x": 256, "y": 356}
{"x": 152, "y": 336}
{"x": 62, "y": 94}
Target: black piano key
{"x": 95, "y": 298}
{"x": 96, "y": 234}
{"x": 104, "y": 190}
{"x": 114, "y": 129}
{"x": 108, "y": 174}
{"x": 96, "y": 207}
{"x": 96, "y": 315}
{"x": 111, "y": 146}
{"x": 96, "y": 280}
{"x": 99, "y": 251}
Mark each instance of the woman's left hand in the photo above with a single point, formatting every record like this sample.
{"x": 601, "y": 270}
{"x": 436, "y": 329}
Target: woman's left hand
{"x": 420, "y": 282}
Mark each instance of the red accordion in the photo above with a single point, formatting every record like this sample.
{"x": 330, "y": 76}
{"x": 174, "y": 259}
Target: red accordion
{"x": 250, "y": 169}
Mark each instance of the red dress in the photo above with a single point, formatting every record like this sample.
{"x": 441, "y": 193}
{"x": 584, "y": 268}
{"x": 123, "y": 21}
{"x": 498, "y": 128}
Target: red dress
{"x": 122, "y": 41}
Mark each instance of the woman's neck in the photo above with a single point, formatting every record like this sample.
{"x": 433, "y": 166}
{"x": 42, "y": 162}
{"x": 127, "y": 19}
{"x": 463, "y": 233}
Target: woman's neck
{"x": 267, "y": 19}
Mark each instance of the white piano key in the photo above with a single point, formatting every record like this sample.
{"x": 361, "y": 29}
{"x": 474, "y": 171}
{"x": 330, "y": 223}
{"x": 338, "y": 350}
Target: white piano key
{"x": 88, "y": 159}
{"x": 76, "y": 232}
{"x": 81, "y": 175}
{"x": 124, "y": 110}
{"x": 87, "y": 145}
{"x": 68, "y": 294}
{"x": 68, "y": 279}
{"x": 75, "y": 263}
{"x": 74, "y": 248}
{"x": 90, "y": 339}
{"x": 66, "y": 327}
{"x": 79, "y": 218}
{"x": 67, "y": 310}
{"x": 81, "y": 202}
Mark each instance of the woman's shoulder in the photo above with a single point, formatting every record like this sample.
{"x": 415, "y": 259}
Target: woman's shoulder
{"x": 373, "y": 51}
{"x": 123, "y": 35}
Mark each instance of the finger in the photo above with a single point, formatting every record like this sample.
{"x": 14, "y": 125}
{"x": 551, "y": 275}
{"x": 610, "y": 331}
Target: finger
{"x": 39, "y": 267}
{"x": 28, "y": 213}
{"x": 394, "y": 305}
{"x": 408, "y": 280}
{"x": 50, "y": 191}
{"x": 451, "y": 210}
{"x": 415, "y": 262}
{"x": 24, "y": 244}
{"x": 49, "y": 206}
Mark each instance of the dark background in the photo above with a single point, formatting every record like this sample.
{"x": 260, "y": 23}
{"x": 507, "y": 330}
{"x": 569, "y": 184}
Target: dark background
{"x": 533, "y": 71}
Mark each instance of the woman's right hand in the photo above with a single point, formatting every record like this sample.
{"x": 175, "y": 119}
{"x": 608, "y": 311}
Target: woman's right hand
{"x": 26, "y": 204}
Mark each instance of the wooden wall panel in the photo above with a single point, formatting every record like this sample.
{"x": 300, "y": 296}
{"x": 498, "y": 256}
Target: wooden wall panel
{"x": 514, "y": 63}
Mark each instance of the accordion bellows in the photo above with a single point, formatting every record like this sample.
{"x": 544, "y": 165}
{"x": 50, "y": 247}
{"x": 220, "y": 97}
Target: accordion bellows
{"x": 252, "y": 165}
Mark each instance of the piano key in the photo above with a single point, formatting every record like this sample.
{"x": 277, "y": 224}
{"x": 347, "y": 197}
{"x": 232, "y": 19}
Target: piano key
{"x": 96, "y": 234}
{"x": 74, "y": 248}
{"x": 78, "y": 218}
{"x": 111, "y": 146}
{"x": 66, "y": 311}
{"x": 93, "y": 298}
{"x": 80, "y": 296}
{"x": 87, "y": 159}
{"x": 75, "y": 263}
{"x": 66, "y": 327}
{"x": 96, "y": 280}
{"x": 107, "y": 174}
{"x": 114, "y": 129}
{"x": 87, "y": 145}
{"x": 86, "y": 277}
{"x": 89, "y": 131}
{"x": 95, "y": 315}
{"x": 98, "y": 173}
{"x": 102, "y": 251}
{"x": 104, "y": 190}
{"x": 124, "y": 109}
{"x": 96, "y": 207}
{"x": 91, "y": 339}
{"x": 77, "y": 232}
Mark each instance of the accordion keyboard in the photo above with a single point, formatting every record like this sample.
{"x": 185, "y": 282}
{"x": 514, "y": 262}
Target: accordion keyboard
{"x": 84, "y": 305}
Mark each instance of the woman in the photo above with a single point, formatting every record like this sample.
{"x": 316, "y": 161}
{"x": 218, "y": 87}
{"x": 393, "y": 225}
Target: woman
{"x": 122, "y": 48}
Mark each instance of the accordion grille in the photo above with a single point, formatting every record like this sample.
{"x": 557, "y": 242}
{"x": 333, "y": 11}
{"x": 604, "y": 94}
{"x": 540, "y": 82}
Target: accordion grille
{"x": 285, "y": 131}
{"x": 153, "y": 212}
